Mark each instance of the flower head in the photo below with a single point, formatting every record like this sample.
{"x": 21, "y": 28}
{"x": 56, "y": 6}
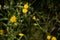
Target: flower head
{"x": 24, "y": 10}
{"x": 26, "y": 6}
{"x": 13, "y": 19}
{"x": 1, "y": 32}
{"x": 48, "y": 37}
{"x": 53, "y": 38}
{"x": 21, "y": 34}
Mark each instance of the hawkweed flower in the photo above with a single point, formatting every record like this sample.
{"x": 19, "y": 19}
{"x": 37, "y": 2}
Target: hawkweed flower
{"x": 21, "y": 34}
{"x": 1, "y": 32}
{"x": 26, "y": 6}
{"x": 13, "y": 19}
{"x": 48, "y": 37}
{"x": 24, "y": 10}
{"x": 53, "y": 38}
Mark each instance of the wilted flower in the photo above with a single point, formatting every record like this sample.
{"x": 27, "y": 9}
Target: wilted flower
{"x": 26, "y": 6}
{"x": 15, "y": 24}
{"x": 0, "y": 6}
{"x": 53, "y": 38}
{"x": 13, "y": 19}
{"x": 1, "y": 32}
{"x": 34, "y": 17}
{"x": 20, "y": 2}
{"x": 21, "y": 34}
{"x": 24, "y": 10}
{"x": 35, "y": 24}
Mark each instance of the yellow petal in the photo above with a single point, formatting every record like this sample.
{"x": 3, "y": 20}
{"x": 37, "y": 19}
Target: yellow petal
{"x": 13, "y": 19}
{"x": 1, "y": 32}
{"x": 48, "y": 37}
{"x": 53, "y": 38}
{"x": 34, "y": 17}
{"x": 21, "y": 34}
{"x": 24, "y": 11}
{"x": 26, "y": 5}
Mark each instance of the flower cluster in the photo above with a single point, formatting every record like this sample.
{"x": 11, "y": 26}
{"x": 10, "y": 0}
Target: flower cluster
{"x": 21, "y": 20}
{"x": 25, "y": 8}
{"x": 51, "y": 37}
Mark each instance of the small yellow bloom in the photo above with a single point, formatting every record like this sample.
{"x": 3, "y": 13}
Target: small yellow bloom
{"x": 21, "y": 34}
{"x": 26, "y": 6}
{"x": 48, "y": 37}
{"x": 1, "y": 32}
{"x": 53, "y": 38}
{"x": 13, "y": 19}
{"x": 34, "y": 17}
{"x": 24, "y": 11}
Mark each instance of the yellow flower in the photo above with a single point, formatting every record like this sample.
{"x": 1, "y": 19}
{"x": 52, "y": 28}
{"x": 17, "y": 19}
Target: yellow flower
{"x": 1, "y": 32}
{"x": 13, "y": 19}
{"x": 34, "y": 17}
{"x": 48, "y": 37}
{"x": 21, "y": 34}
{"x": 24, "y": 11}
{"x": 26, "y": 6}
{"x": 53, "y": 38}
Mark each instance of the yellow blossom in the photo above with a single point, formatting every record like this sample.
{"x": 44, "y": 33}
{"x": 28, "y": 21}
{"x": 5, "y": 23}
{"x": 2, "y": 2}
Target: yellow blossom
{"x": 1, "y": 32}
{"x": 34, "y": 17}
{"x": 48, "y": 37}
{"x": 24, "y": 10}
{"x": 13, "y": 19}
{"x": 53, "y": 38}
{"x": 21, "y": 34}
{"x": 26, "y": 6}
